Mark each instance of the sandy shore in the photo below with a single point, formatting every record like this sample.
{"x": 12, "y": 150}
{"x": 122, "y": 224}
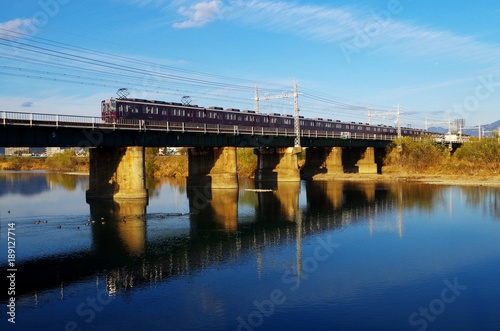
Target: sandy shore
{"x": 493, "y": 181}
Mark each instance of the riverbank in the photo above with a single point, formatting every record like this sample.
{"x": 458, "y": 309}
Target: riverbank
{"x": 448, "y": 180}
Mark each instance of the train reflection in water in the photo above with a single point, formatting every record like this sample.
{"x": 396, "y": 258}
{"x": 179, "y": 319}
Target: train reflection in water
{"x": 222, "y": 225}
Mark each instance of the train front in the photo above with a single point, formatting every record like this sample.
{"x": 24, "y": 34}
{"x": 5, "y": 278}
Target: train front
{"x": 108, "y": 110}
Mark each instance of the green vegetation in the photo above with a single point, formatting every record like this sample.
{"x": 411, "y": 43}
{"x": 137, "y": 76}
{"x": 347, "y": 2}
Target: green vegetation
{"x": 65, "y": 161}
{"x": 475, "y": 157}
{"x": 247, "y": 162}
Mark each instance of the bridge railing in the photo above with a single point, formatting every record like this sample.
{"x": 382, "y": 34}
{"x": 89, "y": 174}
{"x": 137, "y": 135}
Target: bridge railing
{"x": 86, "y": 122}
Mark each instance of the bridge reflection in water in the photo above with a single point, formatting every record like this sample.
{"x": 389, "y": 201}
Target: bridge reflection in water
{"x": 218, "y": 231}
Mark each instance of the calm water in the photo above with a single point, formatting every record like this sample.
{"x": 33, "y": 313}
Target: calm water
{"x": 308, "y": 256}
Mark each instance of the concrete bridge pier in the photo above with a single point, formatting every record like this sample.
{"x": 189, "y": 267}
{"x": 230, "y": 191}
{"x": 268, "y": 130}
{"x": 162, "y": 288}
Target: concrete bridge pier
{"x": 367, "y": 164}
{"x": 360, "y": 160}
{"x": 277, "y": 164}
{"x": 117, "y": 172}
{"x": 323, "y": 160}
{"x": 213, "y": 167}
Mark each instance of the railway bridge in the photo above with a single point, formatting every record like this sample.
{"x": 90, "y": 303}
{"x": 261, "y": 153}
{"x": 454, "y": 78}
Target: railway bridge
{"x": 117, "y": 150}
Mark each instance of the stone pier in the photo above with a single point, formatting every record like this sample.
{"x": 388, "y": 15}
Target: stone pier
{"x": 277, "y": 164}
{"x": 117, "y": 172}
{"x": 366, "y": 164}
{"x": 323, "y": 160}
{"x": 212, "y": 167}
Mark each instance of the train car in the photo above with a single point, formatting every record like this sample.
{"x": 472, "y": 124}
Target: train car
{"x": 194, "y": 116}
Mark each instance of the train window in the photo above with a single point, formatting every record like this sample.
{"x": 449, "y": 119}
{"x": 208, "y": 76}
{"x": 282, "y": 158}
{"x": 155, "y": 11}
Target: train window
{"x": 301, "y": 122}
{"x": 360, "y": 127}
{"x": 347, "y": 127}
{"x": 368, "y": 128}
{"x": 338, "y": 126}
{"x": 266, "y": 120}
{"x": 274, "y": 120}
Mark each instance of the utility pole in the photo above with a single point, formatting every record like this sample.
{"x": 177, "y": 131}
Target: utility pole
{"x": 296, "y": 109}
{"x": 399, "y": 121}
{"x": 256, "y": 99}
{"x": 369, "y": 116}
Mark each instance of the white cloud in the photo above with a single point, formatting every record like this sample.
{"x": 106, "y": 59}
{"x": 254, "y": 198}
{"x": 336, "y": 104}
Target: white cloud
{"x": 200, "y": 14}
{"x": 387, "y": 32}
{"x": 17, "y": 28}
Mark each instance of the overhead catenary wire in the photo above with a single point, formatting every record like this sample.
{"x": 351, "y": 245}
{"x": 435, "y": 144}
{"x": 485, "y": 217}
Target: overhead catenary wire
{"x": 71, "y": 64}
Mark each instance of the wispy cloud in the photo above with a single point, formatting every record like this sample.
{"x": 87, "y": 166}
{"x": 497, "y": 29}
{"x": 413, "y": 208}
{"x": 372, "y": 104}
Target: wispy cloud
{"x": 15, "y": 29}
{"x": 337, "y": 25}
{"x": 200, "y": 14}
{"x": 27, "y": 104}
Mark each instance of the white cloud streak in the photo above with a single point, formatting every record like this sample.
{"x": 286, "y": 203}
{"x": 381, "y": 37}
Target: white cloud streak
{"x": 340, "y": 25}
{"x": 200, "y": 14}
{"x": 17, "y": 28}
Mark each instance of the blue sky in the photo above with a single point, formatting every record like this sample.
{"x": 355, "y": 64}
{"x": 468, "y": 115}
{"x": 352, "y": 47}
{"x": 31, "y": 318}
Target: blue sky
{"x": 436, "y": 59}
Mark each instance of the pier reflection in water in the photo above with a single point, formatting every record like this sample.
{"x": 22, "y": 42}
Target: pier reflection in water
{"x": 200, "y": 258}
{"x": 118, "y": 226}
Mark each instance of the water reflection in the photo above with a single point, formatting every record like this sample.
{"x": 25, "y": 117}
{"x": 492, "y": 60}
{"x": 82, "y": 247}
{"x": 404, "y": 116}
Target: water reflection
{"x": 281, "y": 204}
{"x": 119, "y": 229}
{"x": 118, "y": 226}
{"x": 31, "y": 183}
{"x": 486, "y": 198}
{"x": 213, "y": 210}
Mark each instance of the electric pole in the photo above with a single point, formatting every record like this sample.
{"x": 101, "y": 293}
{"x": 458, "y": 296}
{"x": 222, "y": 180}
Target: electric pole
{"x": 296, "y": 113}
{"x": 256, "y": 99}
{"x": 399, "y": 121}
{"x": 296, "y": 109}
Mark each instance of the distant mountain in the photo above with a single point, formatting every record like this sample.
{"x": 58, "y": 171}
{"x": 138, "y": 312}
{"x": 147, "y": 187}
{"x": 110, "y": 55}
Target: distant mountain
{"x": 437, "y": 129}
{"x": 488, "y": 128}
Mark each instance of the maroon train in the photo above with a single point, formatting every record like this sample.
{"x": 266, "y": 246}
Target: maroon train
{"x": 157, "y": 111}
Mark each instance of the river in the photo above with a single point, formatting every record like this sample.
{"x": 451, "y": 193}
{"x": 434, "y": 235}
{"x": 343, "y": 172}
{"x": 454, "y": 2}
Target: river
{"x": 303, "y": 256}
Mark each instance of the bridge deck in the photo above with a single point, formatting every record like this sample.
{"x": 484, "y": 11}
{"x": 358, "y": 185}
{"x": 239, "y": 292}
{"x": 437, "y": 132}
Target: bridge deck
{"x": 32, "y": 130}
